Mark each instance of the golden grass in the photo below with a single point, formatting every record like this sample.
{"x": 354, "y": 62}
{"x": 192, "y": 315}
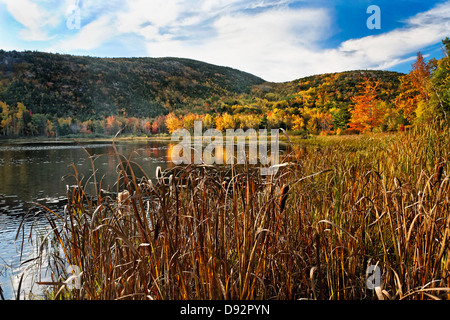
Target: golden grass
{"x": 310, "y": 231}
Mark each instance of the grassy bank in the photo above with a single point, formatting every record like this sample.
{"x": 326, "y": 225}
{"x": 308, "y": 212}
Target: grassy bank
{"x": 337, "y": 206}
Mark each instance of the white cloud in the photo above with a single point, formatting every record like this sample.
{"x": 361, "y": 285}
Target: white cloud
{"x": 268, "y": 38}
{"x": 397, "y": 46}
{"x": 280, "y": 44}
{"x": 33, "y": 17}
{"x": 266, "y": 44}
{"x": 158, "y": 13}
{"x": 90, "y": 36}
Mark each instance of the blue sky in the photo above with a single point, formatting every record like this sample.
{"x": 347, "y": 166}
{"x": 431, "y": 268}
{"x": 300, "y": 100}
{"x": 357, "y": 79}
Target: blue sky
{"x": 278, "y": 40}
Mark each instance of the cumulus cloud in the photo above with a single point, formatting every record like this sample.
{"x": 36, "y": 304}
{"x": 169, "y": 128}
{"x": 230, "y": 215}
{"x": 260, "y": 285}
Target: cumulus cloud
{"x": 32, "y": 17}
{"x": 260, "y": 43}
{"x": 273, "y": 39}
{"x": 388, "y": 49}
{"x": 90, "y": 36}
{"x": 281, "y": 43}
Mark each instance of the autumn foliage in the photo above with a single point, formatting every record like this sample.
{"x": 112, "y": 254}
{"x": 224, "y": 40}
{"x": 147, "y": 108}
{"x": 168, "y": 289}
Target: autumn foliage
{"x": 368, "y": 110}
{"x": 337, "y": 103}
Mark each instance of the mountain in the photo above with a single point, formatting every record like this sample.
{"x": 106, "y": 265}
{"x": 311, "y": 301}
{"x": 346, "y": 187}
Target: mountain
{"x": 329, "y": 89}
{"x": 57, "y": 89}
{"x": 87, "y": 87}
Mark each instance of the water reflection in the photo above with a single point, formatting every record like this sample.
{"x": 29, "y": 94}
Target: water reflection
{"x": 39, "y": 173}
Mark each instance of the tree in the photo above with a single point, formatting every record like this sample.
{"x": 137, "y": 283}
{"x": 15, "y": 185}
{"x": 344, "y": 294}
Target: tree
{"x": 318, "y": 121}
{"x": 340, "y": 117}
{"x": 173, "y": 123}
{"x": 208, "y": 121}
{"x": 49, "y": 129}
{"x": 367, "y": 111}
{"x": 18, "y": 118}
{"x": 441, "y": 79}
{"x": 154, "y": 127}
{"x": 248, "y": 121}
{"x": 5, "y": 119}
{"x": 63, "y": 126}
{"x": 275, "y": 119}
{"x": 408, "y": 98}
{"x": 188, "y": 121}
{"x": 112, "y": 125}
{"x": 148, "y": 127}
{"x": 420, "y": 77}
{"x": 414, "y": 88}
{"x": 297, "y": 122}
{"x": 39, "y": 123}
{"x": 225, "y": 121}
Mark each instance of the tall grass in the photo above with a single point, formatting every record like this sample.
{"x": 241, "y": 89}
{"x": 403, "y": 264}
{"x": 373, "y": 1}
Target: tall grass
{"x": 226, "y": 232}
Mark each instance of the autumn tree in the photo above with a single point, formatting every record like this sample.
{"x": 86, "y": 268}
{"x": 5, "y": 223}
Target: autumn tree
{"x": 173, "y": 123}
{"x": 112, "y": 125}
{"x": 415, "y": 90}
{"x": 408, "y": 98}
{"x": 189, "y": 121}
{"x": 159, "y": 125}
{"x": 154, "y": 127}
{"x": 368, "y": 111}
{"x": 420, "y": 77}
{"x": 298, "y": 123}
{"x": 318, "y": 120}
{"x": 275, "y": 119}
{"x": 147, "y": 127}
{"x": 5, "y": 118}
{"x": 225, "y": 121}
{"x": 249, "y": 121}
{"x": 50, "y": 129}
{"x": 208, "y": 121}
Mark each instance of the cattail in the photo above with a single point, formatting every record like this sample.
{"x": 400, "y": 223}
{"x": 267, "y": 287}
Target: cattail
{"x": 156, "y": 230}
{"x": 123, "y": 196}
{"x": 283, "y": 197}
{"x": 158, "y": 173}
{"x": 439, "y": 172}
{"x": 124, "y": 203}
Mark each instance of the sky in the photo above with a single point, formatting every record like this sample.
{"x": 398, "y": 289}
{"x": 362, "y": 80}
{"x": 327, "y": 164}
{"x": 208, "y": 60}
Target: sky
{"x": 277, "y": 40}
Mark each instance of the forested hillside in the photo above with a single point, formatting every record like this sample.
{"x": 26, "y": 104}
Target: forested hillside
{"x": 43, "y": 94}
{"x": 89, "y": 88}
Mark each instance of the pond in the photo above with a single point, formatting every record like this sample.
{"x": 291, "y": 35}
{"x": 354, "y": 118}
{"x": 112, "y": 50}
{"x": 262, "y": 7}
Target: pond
{"x": 33, "y": 173}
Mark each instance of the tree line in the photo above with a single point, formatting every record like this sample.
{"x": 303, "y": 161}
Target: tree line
{"x": 340, "y": 103}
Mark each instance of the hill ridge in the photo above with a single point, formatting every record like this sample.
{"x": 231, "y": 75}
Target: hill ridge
{"x": 71, "y": 85}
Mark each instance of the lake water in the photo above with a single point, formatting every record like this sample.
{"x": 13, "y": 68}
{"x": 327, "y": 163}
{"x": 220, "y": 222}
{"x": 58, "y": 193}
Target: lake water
{"x": 39, "y": 173}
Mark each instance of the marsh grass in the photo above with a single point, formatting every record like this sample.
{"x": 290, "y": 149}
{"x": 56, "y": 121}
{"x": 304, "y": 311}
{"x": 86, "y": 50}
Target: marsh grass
{"x": 226, "y": 232}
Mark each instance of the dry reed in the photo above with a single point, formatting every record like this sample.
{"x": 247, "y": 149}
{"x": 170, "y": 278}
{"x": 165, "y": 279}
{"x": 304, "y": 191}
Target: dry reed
{"x": 310, "y": 231}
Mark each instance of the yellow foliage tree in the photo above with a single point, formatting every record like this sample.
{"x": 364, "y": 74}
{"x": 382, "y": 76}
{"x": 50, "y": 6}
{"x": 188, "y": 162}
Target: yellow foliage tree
{"x": 298, "y": 123}
{"x": 173, "y": 123}
{"x": 226, "y": 121}
{"x": 414, "y": 88}
{"x": 188, "y": 121}
{"x": 208, "y": 121}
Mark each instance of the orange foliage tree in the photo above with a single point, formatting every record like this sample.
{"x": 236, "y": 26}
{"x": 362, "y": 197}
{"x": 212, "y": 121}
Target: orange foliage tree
{"x": 112, "y": 125}
{"x": 368, "y": 110}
